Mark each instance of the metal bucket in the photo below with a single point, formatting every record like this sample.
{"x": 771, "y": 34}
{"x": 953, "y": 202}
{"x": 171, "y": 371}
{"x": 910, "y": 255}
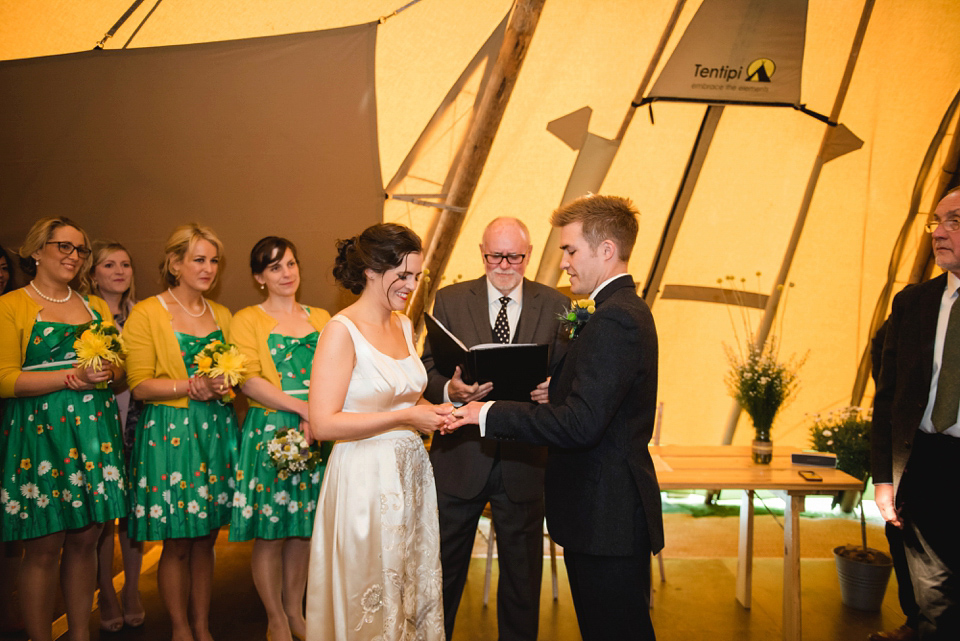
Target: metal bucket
{"x": 863, "y": 585}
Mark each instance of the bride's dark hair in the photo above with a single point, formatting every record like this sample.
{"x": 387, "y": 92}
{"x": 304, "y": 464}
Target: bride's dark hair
{"x": 380, "y": 247}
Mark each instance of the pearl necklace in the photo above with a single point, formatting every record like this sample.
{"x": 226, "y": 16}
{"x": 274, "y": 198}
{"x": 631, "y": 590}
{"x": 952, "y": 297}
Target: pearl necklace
{"x": 187, "y": 311}
{"x": 50, "y": 298}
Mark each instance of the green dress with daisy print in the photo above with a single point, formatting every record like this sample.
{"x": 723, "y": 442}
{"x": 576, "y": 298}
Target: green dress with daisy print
{"x": 62, "y": 463}
{"x": 265, "y": 506}
{"x": 183, "y": 463}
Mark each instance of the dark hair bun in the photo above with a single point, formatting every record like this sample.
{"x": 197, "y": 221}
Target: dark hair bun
{"x": 379, "y": 248}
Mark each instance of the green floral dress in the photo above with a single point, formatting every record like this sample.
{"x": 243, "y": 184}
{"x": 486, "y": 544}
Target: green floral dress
{"x": 264, "y": 506}
{"x": 183, "y": 463}
{"x": 62, "y": 466}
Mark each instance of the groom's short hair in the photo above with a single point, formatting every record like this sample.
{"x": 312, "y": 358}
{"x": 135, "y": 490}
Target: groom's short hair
{"x": 603, "y": 218}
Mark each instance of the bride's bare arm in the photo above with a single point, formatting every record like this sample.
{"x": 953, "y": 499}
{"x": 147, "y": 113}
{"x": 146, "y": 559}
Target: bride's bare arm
{"x": 333, "y": 365}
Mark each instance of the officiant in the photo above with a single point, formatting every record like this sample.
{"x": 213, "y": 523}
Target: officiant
{"x": 500, "y": 307}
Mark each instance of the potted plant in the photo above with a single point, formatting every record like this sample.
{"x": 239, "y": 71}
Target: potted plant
{"x": 863, "y": 571}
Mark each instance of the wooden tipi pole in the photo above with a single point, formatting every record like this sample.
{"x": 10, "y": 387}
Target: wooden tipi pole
{"x": 523, "y": 23}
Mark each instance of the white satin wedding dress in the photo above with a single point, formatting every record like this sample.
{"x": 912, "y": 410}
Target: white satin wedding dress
{"x": 375, "y": 552}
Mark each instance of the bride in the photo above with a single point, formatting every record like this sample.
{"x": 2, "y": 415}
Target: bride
{"x": 375, "y": 553}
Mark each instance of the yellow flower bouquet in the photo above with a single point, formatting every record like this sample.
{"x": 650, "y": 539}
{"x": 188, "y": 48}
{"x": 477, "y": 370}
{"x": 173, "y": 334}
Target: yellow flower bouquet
{"x": 96, "y": 345}
{"x": 222, "y": 359}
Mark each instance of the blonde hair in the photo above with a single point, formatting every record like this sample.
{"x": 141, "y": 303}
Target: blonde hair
{"x": 40, "y": 234}
{"x": 102, "y": 249}
{"x": 603, "y": 218}
{"x": 183, "y": 239}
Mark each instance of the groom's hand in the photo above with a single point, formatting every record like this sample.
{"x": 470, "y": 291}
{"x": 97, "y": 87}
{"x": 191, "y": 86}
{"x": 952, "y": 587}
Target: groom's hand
{"x": 460, "y": 392}
{"x": 468, "y": 414}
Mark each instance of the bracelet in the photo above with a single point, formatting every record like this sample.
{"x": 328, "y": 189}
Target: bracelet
{"x": 175, "y": 390}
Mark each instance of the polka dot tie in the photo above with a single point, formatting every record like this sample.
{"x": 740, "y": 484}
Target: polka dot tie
{"x": 501, "y": 328}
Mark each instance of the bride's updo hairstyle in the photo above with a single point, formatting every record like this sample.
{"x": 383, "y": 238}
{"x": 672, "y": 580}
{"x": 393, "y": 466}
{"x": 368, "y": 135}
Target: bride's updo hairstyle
{"x": 380, "y": 248}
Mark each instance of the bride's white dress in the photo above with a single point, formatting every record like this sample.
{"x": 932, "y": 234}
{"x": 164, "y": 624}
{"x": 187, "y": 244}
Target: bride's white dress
{"x": 375, "y": 552}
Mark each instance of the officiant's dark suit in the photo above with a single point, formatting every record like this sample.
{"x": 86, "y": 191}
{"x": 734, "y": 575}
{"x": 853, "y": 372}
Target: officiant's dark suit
{"x": 915, "y": 453}
{"x": 470, "y": 470}
{"x": 602, "y": 496}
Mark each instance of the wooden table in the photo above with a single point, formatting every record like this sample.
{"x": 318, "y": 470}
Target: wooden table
{"x": 729, "y": 467}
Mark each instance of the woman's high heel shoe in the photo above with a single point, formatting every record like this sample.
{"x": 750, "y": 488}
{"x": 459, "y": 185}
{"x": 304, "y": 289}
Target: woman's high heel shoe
{"x": 109, "y": 625}
{"x": 133, "y": 619}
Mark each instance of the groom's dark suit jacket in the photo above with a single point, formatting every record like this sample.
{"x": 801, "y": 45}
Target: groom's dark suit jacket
{"x": 462, "y": 460}
{"x": 602, "y": 496}
{"x": 905, "y": 374}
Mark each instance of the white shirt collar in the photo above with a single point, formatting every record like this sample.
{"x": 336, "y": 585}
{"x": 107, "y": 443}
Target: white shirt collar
{"x": 593, "y": 296}
{"x": 493, "y": 294}
{"x": 952, "y": 284}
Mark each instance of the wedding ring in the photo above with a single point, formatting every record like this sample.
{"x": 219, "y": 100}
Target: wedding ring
{"x": 454, "y": 414}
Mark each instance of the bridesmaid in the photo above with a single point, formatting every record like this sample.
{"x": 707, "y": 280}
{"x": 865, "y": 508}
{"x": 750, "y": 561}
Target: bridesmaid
{"x": 185, "y": 448}
{"x": 278, "y": 337}
{"x": 61, "y": 471}
{"x": 111, "y": 278}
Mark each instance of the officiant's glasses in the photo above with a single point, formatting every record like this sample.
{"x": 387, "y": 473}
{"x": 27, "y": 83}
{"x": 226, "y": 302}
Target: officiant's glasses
{"x": 496, "y": 259}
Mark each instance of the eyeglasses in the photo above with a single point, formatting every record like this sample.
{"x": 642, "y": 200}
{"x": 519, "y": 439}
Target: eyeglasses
{"x": 496, "y": 259}
{"x": 950, "y": 224}
{"x": 68, "y": 248}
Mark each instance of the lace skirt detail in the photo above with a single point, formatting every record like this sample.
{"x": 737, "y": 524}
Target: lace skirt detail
{"x": 375, "y": 553}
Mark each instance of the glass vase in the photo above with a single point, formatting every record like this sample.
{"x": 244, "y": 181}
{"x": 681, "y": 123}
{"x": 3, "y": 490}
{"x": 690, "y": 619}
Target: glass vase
{"x": 761, "y": 449}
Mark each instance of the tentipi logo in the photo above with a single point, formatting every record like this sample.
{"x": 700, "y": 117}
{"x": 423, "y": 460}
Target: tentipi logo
{"x": 760, "y": 70}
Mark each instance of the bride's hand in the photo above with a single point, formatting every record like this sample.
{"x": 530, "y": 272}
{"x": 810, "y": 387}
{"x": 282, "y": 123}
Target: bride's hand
{"x": 429, "y": 418}
{"x": 307, "y": 434}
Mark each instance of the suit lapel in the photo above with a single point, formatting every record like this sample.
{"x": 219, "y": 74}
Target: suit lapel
{"x": 529, "y": 315}
{"x": 926, "y": 336}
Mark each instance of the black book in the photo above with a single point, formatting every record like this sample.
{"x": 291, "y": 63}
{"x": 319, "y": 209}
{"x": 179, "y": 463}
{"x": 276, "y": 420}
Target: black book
{"x": 514, "y": 368}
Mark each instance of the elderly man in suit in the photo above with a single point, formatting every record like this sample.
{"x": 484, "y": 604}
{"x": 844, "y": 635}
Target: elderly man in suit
{"x": 916, "y": 431}
{"x": 501, "y": 306}
{"x": 602, "y": 496}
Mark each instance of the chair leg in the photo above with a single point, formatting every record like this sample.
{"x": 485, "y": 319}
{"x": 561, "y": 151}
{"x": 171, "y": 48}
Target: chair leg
{"x": 491, "y": 541}
{"x": 553, "y": 568}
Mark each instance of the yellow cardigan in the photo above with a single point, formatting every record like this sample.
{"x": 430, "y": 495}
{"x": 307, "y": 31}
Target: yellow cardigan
{"x": 18, "y": 313}
{"x": 152, "y": 347}
{"x": 249, "y": 330}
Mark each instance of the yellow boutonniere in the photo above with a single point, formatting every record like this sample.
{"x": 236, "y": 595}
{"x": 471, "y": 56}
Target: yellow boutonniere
{"x": 577, "y": 316}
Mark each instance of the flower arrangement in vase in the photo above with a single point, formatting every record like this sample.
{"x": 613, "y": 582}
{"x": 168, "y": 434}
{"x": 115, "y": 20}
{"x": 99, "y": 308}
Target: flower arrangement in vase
{"x": 758, "y": 380}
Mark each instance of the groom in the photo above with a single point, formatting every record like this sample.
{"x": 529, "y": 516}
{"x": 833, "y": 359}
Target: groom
{"x": 602, "y": 497}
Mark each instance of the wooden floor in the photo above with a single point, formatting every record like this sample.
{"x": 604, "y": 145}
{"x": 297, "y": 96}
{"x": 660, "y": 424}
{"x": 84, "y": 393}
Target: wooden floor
{"x": 696, "y": 602}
